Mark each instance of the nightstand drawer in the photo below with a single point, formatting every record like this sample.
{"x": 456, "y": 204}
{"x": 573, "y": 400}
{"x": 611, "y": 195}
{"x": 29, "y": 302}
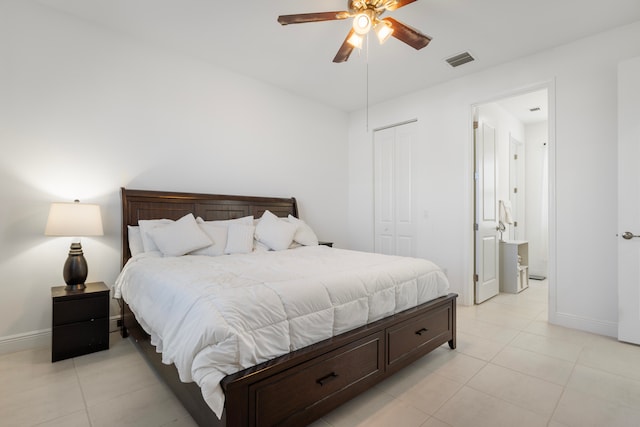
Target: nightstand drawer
{"x": 80, "y": 338}
{"x": 80, "y": 310}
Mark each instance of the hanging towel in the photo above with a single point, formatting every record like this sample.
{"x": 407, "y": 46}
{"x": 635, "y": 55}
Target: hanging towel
{"x": 505, "y": 212}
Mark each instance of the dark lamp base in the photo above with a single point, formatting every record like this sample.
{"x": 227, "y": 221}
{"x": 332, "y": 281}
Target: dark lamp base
{"x": 75, "y": 268}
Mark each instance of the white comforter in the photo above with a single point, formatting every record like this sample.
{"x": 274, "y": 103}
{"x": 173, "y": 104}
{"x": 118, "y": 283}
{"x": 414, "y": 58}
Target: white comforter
{"x": 213, "y": 316}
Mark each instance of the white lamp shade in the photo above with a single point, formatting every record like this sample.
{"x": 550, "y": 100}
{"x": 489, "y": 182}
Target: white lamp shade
{"x": 74, "y": 219}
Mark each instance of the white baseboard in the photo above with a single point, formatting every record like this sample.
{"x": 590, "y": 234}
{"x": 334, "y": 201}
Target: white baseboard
{"x": 38, "y": 339}
{"x": 594, "y": 326}
{"x": 113, "y": 323}
{"x": 26, "y": 341}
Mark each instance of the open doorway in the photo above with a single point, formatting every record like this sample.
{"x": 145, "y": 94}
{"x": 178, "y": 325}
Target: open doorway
{"x": 511, "y": 193}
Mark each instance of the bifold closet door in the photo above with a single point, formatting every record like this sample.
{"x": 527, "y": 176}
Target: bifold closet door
{"x": 394, "y": 228}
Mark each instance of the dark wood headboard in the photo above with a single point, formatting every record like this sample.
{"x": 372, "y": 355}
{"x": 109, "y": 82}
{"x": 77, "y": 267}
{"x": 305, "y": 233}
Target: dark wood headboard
{"x": 143, "y": 204}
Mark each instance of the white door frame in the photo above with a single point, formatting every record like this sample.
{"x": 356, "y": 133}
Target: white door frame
{"x": 516, "y": 172}
{"x": 550, "y": 86}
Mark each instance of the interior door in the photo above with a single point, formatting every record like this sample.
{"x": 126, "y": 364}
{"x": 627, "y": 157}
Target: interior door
{"x": 629, "y": 201}
{"x": 486, "y": 213}
{"x": 394, "y": 227}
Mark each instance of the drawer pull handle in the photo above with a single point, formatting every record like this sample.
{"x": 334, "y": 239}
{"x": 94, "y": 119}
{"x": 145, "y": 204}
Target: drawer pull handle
{"x": 324, "y": 380}
{"x": 422, "y": 331}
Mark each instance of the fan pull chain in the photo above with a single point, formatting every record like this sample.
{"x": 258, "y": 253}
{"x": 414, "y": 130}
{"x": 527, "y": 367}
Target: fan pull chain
{"x": 367, "y": 80}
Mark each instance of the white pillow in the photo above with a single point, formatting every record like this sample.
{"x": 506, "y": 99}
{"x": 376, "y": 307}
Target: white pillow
{"x": 239, "y": 238}
{"x": 218, "y": 235}
{"x": 259, "y": 246}
{"x": 274, "y": 232}
{"x": 135, "y": 240}
{"x": 304, "y": 234}
{"x": 180, "y": 237}
{"x": 146, "y": 225}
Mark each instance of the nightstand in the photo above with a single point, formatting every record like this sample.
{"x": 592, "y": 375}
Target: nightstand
{"x": 80, "y": 322}
{"x": 330, "y": 244}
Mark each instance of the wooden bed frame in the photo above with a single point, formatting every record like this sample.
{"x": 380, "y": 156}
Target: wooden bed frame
{"x": 297, "y": 388}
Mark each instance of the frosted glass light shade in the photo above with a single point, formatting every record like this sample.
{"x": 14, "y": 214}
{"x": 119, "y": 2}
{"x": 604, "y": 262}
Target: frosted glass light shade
{"x": 74, "y": 219}
{"x": 383, "y": 31}
{"x": 362, "y": 22}
{"x": 355, "y": 40}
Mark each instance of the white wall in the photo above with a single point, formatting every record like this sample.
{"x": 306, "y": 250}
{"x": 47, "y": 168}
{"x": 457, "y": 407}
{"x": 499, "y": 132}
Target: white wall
{"x": 581, "y": 78}
{"x": 536, "y": 148}
{"x": 84, "y": 111}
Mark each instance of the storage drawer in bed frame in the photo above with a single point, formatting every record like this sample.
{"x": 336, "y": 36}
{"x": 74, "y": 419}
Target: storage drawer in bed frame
{"x": 298, "y": 388}
{"x": 410, "y": 336}
{"x": 316, "y": 382}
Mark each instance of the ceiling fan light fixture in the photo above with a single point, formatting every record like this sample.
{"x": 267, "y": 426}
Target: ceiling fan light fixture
{"x": 355, "y": 40}
{"x": 362, "y": 22}
{"x": 383, "y": 31}
{"x": 365, "y": 15}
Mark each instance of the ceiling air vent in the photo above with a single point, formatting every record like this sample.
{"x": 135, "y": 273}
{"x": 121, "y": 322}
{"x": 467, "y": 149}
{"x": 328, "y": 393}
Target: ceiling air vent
{"x": 457, "y": 60}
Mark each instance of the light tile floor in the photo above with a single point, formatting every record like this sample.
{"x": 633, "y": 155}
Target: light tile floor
{"x": 511, "y": 368}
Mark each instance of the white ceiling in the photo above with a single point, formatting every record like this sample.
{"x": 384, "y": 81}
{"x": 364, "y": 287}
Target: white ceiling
{"x": 528, "y": 108}
{"x": 244, "y": 36}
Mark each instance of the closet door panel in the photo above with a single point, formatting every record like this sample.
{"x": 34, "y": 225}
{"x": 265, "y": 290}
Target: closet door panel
{"x": 393, "y": 182}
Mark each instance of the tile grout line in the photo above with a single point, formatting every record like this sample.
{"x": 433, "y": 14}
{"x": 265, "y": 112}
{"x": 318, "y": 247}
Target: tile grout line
{"x": 564, "y": 388}
{"x": 84, "y": 399}
{"x": 521, "y": 331}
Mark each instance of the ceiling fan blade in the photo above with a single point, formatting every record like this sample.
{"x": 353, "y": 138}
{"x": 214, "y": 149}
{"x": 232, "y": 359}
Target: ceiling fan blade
{"x": 410, "y": 36}
{"x": 301, "y": 18}
{"x": 397, "y": 4}
{"x": 345, "y": 50}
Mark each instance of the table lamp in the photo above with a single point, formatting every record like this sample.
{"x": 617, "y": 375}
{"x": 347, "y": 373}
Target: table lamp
{"x": 74, "y": 220}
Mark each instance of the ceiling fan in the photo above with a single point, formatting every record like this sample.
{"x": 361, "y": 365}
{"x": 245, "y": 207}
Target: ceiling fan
{"x": 366, "y": 15}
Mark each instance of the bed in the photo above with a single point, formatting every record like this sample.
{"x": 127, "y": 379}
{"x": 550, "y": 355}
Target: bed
{"x": 297, "y": 387}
